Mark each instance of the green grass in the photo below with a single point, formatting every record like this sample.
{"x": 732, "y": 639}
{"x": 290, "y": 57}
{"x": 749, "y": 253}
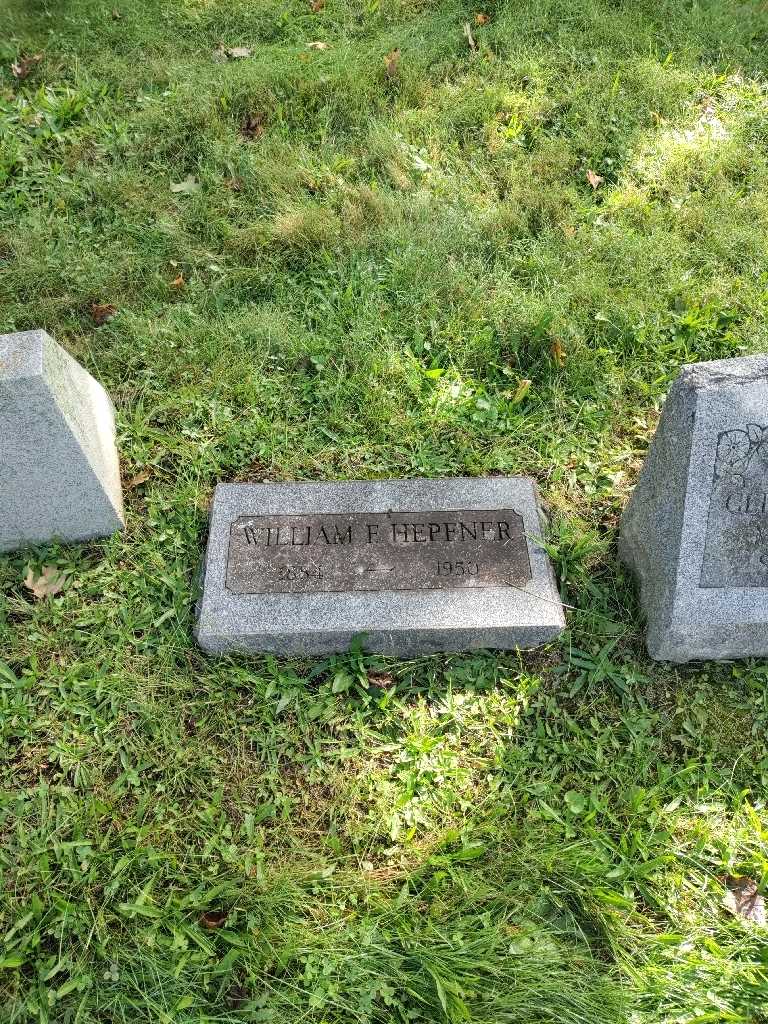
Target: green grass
{"x": 369, "y": 285}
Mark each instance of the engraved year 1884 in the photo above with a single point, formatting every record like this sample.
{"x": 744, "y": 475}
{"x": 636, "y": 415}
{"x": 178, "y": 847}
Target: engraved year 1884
{"x": 287, "y": 573}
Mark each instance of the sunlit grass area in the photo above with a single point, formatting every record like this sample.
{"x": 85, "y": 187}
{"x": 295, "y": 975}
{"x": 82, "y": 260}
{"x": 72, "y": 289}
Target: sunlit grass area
{"x": 451, "y": 239}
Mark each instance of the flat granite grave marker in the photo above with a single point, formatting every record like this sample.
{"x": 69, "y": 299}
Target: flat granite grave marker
{"x": 59, "y": 471}
{"x": 695, "y": 531}
{"x": 409, "y": 566}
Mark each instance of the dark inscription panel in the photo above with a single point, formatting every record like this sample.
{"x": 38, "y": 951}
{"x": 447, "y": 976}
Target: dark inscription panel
{"x": 377, "y": 551}
{"x": 736, "y": 546}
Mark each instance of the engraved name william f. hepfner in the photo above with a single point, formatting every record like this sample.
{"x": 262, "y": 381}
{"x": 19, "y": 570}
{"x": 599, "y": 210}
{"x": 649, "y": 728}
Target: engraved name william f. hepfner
{"x": 376, "y": 551}
{"x": 442, "y": 531}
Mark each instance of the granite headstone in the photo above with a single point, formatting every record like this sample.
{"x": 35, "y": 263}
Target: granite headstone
{"x": 59, "y": 471}
{"x": 695, "y": 532}
{"x": 408, "y": 566}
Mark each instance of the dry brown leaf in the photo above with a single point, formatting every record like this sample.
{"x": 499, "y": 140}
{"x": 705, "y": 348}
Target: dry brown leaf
{"x": 238, "y": 996}
{"x": 381, "y": 679}
{"x": 254, "y": 125}
{"x": 140, "y": 478}
{"x": 102, "y": 313}
{"x": 482, "y": 19}
{"x": 742, "y": 898}
{"x": 392, "y": 62}
{"x": 213, "y": 919}
{"x": 49, "y": 582}
{"x": 558, "y": 352}
{"x": 22, "y": 67}
{"x": 316, "y": 6}
{"x": 470, "y": 37}
{"x": 594, "y": 179}
{"x": 319, "y": 45}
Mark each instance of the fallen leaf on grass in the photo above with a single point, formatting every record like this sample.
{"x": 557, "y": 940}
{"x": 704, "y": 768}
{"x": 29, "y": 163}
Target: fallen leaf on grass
{"x": 316, "y": 6}
{"x": 101, "y": 313}
{"x": 253, "y": 126}
{"x": 22, "y": 67}
{"x": 470, "y": 37}
{"x": 743, "y": 899}
{"x": 223, "y": 52}
{"x": 213, "y": 919}
{"x": 558, "y": 352}
{"x": 381, "y": 679}
{"x": 482, "y": 19}
{"x": 522, "y": 390}
{"x": 140, "y": 478}
{"x": 594, "y": 179}
{"x": 319, "y": 46}
{"x": 237, "y": 997}
{"x": 391, "y": 63}
{"x": 49, "y": 582}
{"x": 188, "y": 186}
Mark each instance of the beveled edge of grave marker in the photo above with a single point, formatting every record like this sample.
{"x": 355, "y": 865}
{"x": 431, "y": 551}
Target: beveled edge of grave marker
{"x": 703, "y": 599}
{"x": 59, "y": 465}
{"x": 21, "y": 355}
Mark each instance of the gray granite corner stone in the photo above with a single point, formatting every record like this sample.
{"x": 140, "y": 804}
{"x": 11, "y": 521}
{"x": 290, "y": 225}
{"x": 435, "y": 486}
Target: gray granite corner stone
{"x": 240, "y": 610}
{"x": 59, "y": 470}
{"x": 695, "y": 532}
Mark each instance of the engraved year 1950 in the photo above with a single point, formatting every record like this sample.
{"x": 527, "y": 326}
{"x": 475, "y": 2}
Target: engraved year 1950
{"x": 459, "y": 568}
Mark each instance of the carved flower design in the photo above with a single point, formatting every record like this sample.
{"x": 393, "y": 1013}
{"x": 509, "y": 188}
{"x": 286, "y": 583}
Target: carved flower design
{"x": 733, "y": 449}
{"x": 753, "y": 534}
{"x": 758, "y": 437}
